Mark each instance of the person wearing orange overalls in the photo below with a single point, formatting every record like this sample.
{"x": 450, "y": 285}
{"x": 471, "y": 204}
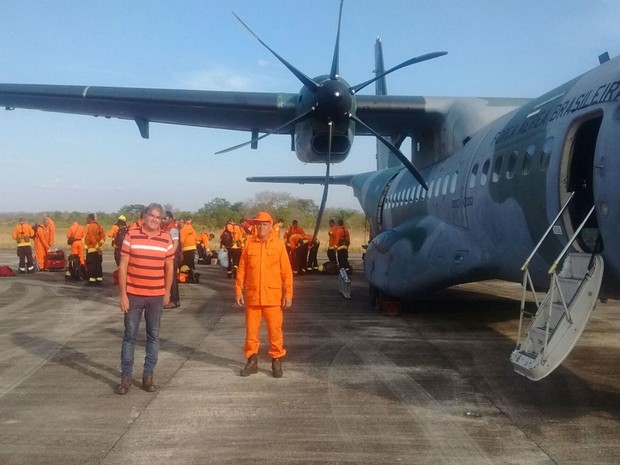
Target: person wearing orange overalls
{"x": 333, "y": 242}
{"x": 94, "y": 239}
{"x": 41, "y": 244}
{"x": 265, "y": 273}
{"x": 22, "y": 234}
{"x": 75, "y": 238}
{"x": 51, "y": 227}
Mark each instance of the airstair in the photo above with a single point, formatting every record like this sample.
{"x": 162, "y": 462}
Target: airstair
{"x": 563, "y": 313}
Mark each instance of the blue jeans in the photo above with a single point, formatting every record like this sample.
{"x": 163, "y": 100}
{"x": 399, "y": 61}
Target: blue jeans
{"x": 153, "y": 307}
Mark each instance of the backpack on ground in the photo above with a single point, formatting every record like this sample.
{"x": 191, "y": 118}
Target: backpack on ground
{"x": 6, "y": 271}
{"x": 74, "y": 268}
{"x": 330, "y": 268}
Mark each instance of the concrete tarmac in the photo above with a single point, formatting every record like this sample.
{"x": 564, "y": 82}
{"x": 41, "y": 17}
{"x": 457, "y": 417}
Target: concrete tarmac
{"x": 433, "y": 386}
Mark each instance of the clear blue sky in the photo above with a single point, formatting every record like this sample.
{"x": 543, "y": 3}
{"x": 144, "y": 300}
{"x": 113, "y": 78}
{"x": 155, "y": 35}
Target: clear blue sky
{"x": 62, "y": 162}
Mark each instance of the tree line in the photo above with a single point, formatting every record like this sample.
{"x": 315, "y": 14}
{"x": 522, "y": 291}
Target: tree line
{"x": 215, "y": 213}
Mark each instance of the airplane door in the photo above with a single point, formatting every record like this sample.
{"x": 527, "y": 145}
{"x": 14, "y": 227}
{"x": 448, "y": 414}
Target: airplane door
{"x": 578, "y": 170}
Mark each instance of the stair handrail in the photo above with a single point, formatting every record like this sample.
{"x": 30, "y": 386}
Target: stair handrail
{"x": 555, "y": 283}
{"x": 526, "y": 264}
{"x": 527, "y": 278}
{"x": 556, "y": 262}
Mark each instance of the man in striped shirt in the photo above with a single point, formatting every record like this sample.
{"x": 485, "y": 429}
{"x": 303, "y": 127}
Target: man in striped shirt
{"x": 145, "y": 276}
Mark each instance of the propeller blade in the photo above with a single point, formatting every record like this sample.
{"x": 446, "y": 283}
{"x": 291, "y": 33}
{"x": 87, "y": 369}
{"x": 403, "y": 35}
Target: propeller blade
{"x": 305, "y": 80}
{"x": 335, "y": 71}
{"x": 400, "y": 155}
{"x": 427, "y": 56}
{"x": 296, "y": 120}
{"x": 326, "y": 185}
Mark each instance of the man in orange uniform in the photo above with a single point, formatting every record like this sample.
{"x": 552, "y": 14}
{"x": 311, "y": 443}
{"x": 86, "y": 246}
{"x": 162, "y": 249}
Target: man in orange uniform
{"x": 298, "y": 246}
{"x": 41, "y": 244}
{"x": 333, "y": 242}
{"x": 95, "y": 238}
{"x": 117, "y": 239}
{"x": 187, "y": 236}
{"x": 343, "y": 241}
{"x": 277, "y": 226}
{"x": 265, "y": 271}
{"x": 22, "y": 234}
{"x": 234, "y": 254}
{"x": 294, "y": 228}
{"x": 75, "y": 236}
{"x": 51, "y": 227}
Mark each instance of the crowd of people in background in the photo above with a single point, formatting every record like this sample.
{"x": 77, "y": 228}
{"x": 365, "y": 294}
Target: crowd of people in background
{"x": 86, "y": 242}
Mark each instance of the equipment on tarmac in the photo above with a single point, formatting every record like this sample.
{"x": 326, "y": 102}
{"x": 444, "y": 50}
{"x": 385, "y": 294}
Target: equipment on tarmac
{"x": 74, "y": 270}
{"x": 344, "y": 283}
{"x": 55, "y": 260}
{"x": 330, "y": 268}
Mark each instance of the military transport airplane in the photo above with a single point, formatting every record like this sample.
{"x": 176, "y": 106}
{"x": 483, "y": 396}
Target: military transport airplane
{"x": 490, "y": 181}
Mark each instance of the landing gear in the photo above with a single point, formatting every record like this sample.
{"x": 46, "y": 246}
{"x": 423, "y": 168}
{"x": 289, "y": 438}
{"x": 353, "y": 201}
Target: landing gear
{"x": 388, "y": 306}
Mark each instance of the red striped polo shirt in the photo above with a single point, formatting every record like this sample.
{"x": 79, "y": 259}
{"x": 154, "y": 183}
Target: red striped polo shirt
{"x": 147, "y": 256}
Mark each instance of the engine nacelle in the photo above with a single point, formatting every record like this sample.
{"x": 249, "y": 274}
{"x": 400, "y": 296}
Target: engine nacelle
{"x": 312, "y": 141}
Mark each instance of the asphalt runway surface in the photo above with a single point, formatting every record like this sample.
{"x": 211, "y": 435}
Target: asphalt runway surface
{"x": 433, "y": 386}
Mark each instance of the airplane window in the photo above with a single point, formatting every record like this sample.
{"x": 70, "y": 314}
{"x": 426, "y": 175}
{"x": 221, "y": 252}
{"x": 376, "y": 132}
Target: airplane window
{"x": 424, "y": 193}
{"x": 417, "y": 192}
{"x": 454, "y": 179}
{"x": 546, "y": 153}
{"x": 485, "y": 172}
{"x": 446, "y": 180}
{"x": 430, "y": 189}
{"x": 437, "y": 187}
{"x": 497, "y": 168}
{"x": 527, "y": 159}
{"x": 512, "y": 164}
{"x": 472, "y": 176}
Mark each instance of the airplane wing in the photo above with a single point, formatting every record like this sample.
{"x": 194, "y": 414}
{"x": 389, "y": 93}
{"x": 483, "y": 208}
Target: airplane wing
{"x": 343, "y": 180}
{"x": 244, "y": 111}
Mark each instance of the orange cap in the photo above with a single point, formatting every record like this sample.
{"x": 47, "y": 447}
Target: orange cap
{"x": 262, "y": 217}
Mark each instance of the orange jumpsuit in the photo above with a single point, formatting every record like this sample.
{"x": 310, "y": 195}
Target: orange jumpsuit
{"x": 51, "y": 231}
{"x": 333, "y": 244}
{"x": 76, "y": 231}
{"x": 265, "y": 271}
{"x": 41, "y": 245}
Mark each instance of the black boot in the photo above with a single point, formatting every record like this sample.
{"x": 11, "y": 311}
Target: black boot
{"x": 276, "y": 367}
{"x": 251, "y": 367}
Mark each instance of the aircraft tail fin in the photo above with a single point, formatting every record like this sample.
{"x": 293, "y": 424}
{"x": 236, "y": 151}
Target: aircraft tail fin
{"x": 383, "y": 153}
{"x": 381, "y": 83}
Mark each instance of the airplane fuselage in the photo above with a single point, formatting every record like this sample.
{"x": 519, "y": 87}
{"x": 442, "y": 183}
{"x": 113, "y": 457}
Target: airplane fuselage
{"x": 490, "y": 203}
